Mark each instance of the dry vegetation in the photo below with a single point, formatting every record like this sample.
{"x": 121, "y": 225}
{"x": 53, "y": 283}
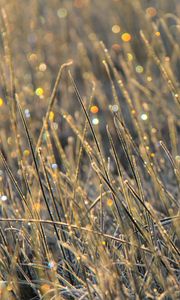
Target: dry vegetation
{"x": 89, "y": 163}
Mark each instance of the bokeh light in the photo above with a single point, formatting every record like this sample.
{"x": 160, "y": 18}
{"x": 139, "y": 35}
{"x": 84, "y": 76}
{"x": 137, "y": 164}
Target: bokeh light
{"x": 94, "y": 109}
{"x": 151, "y": 11}
{"x": 1, "y": 102}
{"x": 116, "y": 29}
{"x": 39, "y": 91}
{"x": 126, "y": 37}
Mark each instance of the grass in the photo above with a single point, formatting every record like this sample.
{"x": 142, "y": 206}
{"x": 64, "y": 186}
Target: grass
{"x": 89, "y": 150}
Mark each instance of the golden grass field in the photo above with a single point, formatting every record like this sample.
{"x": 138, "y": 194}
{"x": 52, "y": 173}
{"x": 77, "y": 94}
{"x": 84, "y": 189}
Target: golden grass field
{"x": 89, "y": 149}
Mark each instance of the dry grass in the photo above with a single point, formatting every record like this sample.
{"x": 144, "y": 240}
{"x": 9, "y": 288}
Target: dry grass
{"x": 89, "y": 126}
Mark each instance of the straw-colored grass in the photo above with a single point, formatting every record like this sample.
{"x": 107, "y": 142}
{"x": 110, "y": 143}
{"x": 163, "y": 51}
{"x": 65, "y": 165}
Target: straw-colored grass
{"x": 89, "y": 149}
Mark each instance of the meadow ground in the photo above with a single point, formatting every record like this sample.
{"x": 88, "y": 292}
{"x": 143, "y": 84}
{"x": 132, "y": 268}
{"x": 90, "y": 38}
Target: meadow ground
{"x": 89, "y": 149}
